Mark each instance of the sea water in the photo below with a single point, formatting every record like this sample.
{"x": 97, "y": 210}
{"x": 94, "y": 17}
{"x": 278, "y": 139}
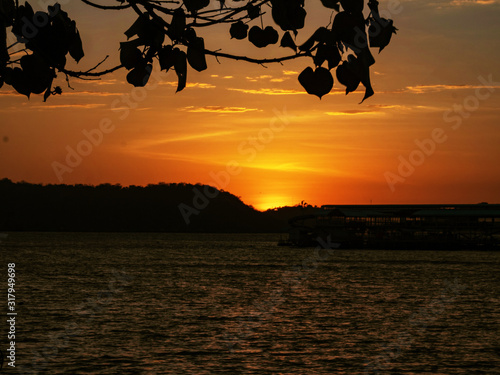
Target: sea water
{"x": 100, "y": 303}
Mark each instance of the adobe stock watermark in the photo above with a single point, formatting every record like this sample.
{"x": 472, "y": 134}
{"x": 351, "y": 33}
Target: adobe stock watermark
{"x": 94, "y": 137}
{"x": 221, "y": 179}
{"x": 427, "y": 147}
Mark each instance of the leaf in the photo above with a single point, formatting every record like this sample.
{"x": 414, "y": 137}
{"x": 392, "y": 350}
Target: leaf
{"x": 37, "y": 73}
{"x": 196, "y": 55}
{"x": 348, "y": 77}
{"x": 257, "y": 37}
{"x": 328, "y": 53}
{"x": 177, "y": 25}
{"x": 288, "y": 14}
{"x": 322, "y": 35}
{"x": 138, "y": 26}
{"x": 194, "y": 6}
{"x": 287, "y": 41}
{"x": 76, "y": 47}
{"x": 130, "y": 56}
{"x": 318, "y": 82}
{"x": 20, "y": 28}
{"x": 253, "y": 11}
{"x": 139, "y": 76}
{"x": 380, "y": 32}
{"x": 7, "y": 12}
{"x": 166, "y": 58}
{"x": 4, "y": 54}
{"x": 262, "y": 38}
{"x": 1, "y": 82}
{"x": 352, "y": 6}
{"x": 47, "y": 94}
{"x": 332, "y": 4}
{"x": 238, "y": 30}
{"x": 180, "y": 66}
{"x": 20, "y": 82}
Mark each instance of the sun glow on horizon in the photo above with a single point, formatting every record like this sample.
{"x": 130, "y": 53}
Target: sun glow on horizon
{"x": 266, "y": 202}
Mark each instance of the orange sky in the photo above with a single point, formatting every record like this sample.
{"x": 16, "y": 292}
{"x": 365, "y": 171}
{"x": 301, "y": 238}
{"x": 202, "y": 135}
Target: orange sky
{"x": 287, "y": 146}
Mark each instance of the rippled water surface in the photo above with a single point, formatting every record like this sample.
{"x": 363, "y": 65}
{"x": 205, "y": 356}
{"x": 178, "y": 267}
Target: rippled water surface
{"x": 239, "y": 304}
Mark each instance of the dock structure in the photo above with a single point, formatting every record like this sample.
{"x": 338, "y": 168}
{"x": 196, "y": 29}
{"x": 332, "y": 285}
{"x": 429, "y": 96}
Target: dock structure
{"x": 422, "y": 226}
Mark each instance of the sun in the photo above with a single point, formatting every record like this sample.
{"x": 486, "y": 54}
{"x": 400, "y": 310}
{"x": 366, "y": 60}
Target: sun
{"x": 265, "y": 202}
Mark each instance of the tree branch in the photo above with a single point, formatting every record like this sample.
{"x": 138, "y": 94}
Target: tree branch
{"x": 106, "y": 7}
{"x": 254, "y": 60}
{"x": 88, "y": 73}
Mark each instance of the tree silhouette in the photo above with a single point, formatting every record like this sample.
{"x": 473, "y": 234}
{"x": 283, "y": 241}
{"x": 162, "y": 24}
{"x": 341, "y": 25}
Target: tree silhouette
{"x": 166, "y": 31}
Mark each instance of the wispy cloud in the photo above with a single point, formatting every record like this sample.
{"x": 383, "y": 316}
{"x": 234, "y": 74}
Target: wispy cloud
{"x": 422, "y": 89}
{"x": 269, "y": 91}
{"x": 194, "y": 137}
{"x": 354, "y": 112}
{"x": 66, "y": 106}
{"x": 471, "y": 2}
{"x": 217, "y": 109}
{"x": 199, "y": 85}
{"x": 290, "y": 72}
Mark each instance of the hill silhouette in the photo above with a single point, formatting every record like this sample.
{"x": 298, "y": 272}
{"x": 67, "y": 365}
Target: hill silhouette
{"x": 114, "y": 208}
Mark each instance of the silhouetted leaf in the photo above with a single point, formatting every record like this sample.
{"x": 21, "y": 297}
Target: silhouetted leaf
{"x": 20, "y": 82}
{"x": 332, "y": 4}
{"x": 47, "y": 93}
{"x": 322, "y": 35}
{"x": 166, "y": 58}
{"x": 4, "y": 54}
{"x": 380, "y": 32}
{"x": 138, "y": 27}
{"x": 239, "y": 30}
{"x": 348, "y": 77}
{"x": 287, "y": 41}
{"x": 20, "y": 27}
{"x": 37, "y": 73}
{"x": 76, "y": 47}
{"x": 130, "y": 56}
{"x": 178, "y": 24}
{"x": 352, "y": 6}
{"x": 7, "y": 12}
{"x": 348, "y": 74}
{"x": 194, "y": 6}
{"x": 180, "y": 66}
{"x": 1, "y": 82}
{"x": 196, "y": 54}
{"x": 318, "y": 82}
{"x": 289, "y": 14}
{"x": 258, "y": 37}
{"x": 253, "y": 11}
{"x": 139, "y": 76}
{"x": 329, "y": 53}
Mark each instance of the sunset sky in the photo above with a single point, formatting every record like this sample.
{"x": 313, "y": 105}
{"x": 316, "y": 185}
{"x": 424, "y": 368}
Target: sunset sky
{"x": 439, "y": 77}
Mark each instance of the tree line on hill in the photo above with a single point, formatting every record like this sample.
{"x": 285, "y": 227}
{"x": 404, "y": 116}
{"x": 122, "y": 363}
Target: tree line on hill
{"x": 115, "y": 208}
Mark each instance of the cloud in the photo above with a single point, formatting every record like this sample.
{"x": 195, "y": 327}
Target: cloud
{"x": 471, "y": 2}
{"x": 422, "y": 89}
{"x": 354, "y": 112}
{"x": 217, "y": 109}
{"x": 267, "y": 91}
{"x": 192, "y": 137}
{"x": 257, "y": 78}
{"x": 290, "y": 72}
{"x": 199, "y": 85}
{"x": 64, "y": 106}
